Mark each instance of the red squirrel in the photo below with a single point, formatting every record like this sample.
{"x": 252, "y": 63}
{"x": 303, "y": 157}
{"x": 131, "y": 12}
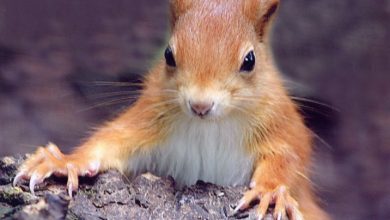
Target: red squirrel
{"x": 213, "y": 108}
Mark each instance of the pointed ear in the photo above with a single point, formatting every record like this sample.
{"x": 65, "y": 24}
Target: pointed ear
{"x": 178, "y": 7}
{"x": 261, "y": 13}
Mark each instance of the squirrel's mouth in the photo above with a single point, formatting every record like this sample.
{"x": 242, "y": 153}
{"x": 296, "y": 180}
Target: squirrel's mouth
{"x": 204, "y": 110}
{"x": 201, "y": 109}
{"x": 203, "y": 103}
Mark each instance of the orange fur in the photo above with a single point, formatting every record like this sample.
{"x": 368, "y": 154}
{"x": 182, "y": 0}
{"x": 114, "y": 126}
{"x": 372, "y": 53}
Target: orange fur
{"x": 209, "y": 41}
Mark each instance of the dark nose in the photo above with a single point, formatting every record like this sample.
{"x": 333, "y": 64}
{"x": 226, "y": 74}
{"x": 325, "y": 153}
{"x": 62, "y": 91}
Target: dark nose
{"x": 201, "y": 108}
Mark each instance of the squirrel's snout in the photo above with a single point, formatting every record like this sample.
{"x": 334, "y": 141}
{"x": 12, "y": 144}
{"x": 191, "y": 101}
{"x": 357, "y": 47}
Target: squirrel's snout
{"x": 201, "y": 109}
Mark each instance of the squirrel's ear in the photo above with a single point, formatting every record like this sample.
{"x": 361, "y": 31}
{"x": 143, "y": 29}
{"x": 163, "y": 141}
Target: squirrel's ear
{"x": 178, "y": 7}
{"x": 260, "y": 13}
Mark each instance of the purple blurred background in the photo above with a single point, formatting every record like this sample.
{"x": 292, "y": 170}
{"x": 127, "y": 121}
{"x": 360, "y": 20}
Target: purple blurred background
{"x": 52, "y": 53}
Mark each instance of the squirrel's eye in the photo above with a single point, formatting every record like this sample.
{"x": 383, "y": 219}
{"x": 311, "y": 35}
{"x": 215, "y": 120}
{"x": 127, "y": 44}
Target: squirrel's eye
{"x": 169, "y": 59}
{"x": 249, "y": 62}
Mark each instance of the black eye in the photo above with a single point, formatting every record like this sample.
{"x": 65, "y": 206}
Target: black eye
{"x": 169, "y": 59}
{"x": 249, "y": 62}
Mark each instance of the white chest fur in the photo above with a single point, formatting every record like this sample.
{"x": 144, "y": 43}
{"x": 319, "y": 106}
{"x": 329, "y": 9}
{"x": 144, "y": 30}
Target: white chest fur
{"x": 199, "y": 150}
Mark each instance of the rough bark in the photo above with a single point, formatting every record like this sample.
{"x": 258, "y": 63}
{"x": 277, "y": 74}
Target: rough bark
{"x": 112, "y": 196}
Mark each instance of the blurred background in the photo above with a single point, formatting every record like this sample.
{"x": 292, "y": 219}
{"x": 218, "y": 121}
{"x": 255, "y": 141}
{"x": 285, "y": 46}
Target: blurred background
{"x": 54, "y": 56}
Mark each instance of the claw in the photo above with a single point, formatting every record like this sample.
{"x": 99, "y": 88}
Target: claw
{"x": 279, "y": 216}
{"x": 296, "y": 214}
{"x": 73, "y": 183}
{"x": 34, "y": 180}
{"x": 240, "y": 204}
{"x": 70, "y": 190}
{"x": 48, "y": 160}
{"x": 17, "y": 178}
{"x": 299, "y": 216}
{"x": 264, "y": 203}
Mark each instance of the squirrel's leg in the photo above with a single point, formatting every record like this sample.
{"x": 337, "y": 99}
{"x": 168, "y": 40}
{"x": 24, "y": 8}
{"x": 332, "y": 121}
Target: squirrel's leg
{"x": 274, "y": 177}
{"x": 110, "y": 147}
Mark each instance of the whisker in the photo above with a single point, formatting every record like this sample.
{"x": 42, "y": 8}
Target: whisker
{"x": 315, "y": 135}
{"x": 274, "y": 101}
{"x": 167, "y": 110}
{"x": 158, "y": 104}
{"x": 241, "y": 109}
{"x": 112, "y": 94}
{"x": 119, "y": 84}
{"x": 136, "y": 93}
{"x": 107, "y": 103}
{"x": 297, "y": 99}
{"x": 170, "y": 91}
{"x": 171, "y": 111}
{"x": 314, "y": 102}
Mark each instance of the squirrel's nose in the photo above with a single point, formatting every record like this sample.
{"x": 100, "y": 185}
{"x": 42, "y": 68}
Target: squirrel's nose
{"x": 201, "y": 108}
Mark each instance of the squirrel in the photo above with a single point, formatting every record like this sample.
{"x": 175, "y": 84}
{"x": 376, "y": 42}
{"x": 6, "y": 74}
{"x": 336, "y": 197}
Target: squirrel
{"x": 214, "y": 108}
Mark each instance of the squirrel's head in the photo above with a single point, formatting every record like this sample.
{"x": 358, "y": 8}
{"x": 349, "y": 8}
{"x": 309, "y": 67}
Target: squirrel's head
{"x": 217, "y": 58}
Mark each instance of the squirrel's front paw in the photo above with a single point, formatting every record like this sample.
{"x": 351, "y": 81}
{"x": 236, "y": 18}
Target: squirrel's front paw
{"x": 285, "y": 205}
{"x": 49, "y": 160}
